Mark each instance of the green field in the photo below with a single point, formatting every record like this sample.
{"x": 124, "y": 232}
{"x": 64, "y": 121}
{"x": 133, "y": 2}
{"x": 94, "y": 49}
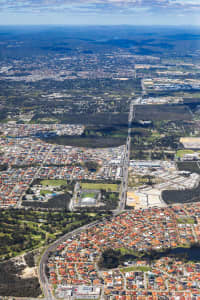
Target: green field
{"x": 124, "y": 251}
{"x": 186, "y": 221}
{"x": 45, "y": 192}
{"x": 89, "y": 195}
{"x": 136, "y": 268}
{"x": 98, "y": 186}
{"x": 181, "y": 153}
{"x": 53, "y": 182}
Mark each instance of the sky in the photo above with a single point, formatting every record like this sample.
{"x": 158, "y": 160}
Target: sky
{"x": 100, "y": 12}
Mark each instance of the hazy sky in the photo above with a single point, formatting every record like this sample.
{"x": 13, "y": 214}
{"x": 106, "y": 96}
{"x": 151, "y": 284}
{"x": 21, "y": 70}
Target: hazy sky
{"x": 141, "y": 12}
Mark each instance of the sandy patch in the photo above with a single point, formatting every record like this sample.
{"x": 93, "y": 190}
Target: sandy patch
{"x": 29, "y": 272}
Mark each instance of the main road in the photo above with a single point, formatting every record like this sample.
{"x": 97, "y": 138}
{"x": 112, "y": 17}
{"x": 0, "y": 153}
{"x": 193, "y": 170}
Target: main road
{"x": 48, "y": 293}
{"x": 126, "y": 160}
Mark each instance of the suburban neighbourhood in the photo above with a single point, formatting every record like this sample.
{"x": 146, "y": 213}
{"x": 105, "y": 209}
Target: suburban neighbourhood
{"x": 75, "y": 261}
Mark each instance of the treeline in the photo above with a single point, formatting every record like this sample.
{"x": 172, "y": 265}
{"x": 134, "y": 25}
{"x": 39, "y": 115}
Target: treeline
{"x": 181, "y": 196}
{"x": 152, "y": 155}
{"x": 106, "y": 118}
{"x": 162, "y": 112}
{"x": 88, "y": 142}
{"x": 109, "y": 199}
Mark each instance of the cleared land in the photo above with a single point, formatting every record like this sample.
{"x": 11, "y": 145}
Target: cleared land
{"x": 190, "y": 142}
{"x": 13, "y": 284}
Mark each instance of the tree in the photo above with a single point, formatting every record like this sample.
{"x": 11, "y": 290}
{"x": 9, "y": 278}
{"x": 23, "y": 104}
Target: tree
{"x": 91, "y": 165}
{"x": 149, "y": 178}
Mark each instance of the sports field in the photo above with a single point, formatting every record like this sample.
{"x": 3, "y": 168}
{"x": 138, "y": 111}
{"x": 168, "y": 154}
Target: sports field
{"x": 181, "y": 153}
{"x": 98, "y": 186}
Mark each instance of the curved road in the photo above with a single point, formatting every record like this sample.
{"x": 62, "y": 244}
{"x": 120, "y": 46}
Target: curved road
{"x": 48, "y": 293}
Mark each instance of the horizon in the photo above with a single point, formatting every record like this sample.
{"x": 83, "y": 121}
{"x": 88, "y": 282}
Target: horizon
{"x": 101, "y": 25}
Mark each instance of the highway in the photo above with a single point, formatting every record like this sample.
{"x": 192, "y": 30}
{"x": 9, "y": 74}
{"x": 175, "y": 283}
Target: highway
{"x": 124, "y": 183}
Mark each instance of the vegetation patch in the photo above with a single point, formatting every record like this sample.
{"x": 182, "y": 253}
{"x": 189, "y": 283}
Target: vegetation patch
{"x": 158, "y": 139}
{"x": 181, "y": 196}
{"x": 113, "y": 258}
{"x": 11, "y": 284}
{"x": 23, "y": 230}
{"x": 3, "y": 167}
{"x": 91, "y": 165}
{"x": 189, "y": 166}
{"x": 98, "y": 136}
{"x": 86, "y": 142}
{"x": 45, "y": 192}
{"x": 162, "y": 112}
{"x": 110, "y": 199}
{"x": 108, "y": 119}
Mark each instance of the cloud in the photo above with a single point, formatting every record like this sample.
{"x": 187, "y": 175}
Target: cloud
{"x": 139, "y": 8}
{"x": 62, "y": 4}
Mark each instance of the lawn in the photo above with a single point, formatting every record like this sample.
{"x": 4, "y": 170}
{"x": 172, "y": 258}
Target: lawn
{"x": 98, "y": 186}
{"x": 45, "y": 192}
{"x": 186, "y": 221}
{"x": 136, "y": 268}
{"x": 125, "y": 251}
{"x": 181, "y": 153}
{"x": 58, "y": 182}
